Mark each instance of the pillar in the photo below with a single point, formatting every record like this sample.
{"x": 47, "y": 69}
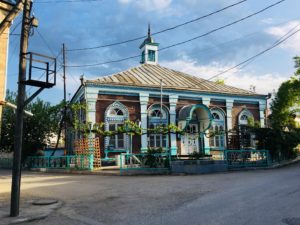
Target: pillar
{"x": 144, "y": 98}
{"x": 262, "y": 108}
{"x": 229, "y": 105}
{"x": 91, "y": 100}
{"x": 173, "y": 102}
{"x": 206, "y": 102}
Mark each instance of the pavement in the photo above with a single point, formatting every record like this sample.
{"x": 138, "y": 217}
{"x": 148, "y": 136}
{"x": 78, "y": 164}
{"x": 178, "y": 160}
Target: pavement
{"x": 29, "y": 210}
{"x": 259, "y": 197}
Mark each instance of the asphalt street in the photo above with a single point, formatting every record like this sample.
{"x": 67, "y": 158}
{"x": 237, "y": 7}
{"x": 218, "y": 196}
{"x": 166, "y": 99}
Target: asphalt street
{"x": 266, "y": 197}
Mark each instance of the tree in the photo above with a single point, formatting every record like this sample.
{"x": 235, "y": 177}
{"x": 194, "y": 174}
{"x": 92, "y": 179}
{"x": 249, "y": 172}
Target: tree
{"x": 38, "y": 129}
{"x": 287, "y": 101}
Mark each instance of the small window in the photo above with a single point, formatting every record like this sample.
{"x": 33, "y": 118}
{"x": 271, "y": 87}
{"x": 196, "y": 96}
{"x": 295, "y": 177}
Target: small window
{"x": 156, "y": 113}
{"x": 151, "y": 55}
{"x": 244, "y": 117}
{"x": 216, "y": 116}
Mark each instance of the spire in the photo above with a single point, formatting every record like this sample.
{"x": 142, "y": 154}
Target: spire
{"x": 149, "y": 32}
{"x": 149, "y": 49}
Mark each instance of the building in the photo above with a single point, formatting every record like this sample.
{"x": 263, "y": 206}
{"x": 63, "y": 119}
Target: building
{"x": 152, "y": 95}
{"x": 5, "y": 7}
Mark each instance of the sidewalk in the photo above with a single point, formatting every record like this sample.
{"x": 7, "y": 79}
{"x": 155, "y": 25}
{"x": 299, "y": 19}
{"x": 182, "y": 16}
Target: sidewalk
{"x": 30, "y": 210}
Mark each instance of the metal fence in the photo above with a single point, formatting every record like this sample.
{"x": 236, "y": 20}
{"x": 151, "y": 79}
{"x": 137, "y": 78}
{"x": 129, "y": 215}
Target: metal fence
{"x": 81, "y": 162}
{"x": 157, "y": 161}
{"x": 6, "y": 163}
{"x": 247, "y": 158}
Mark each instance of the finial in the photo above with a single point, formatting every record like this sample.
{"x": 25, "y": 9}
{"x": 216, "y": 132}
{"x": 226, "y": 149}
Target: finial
{"x": 149, "y": 32}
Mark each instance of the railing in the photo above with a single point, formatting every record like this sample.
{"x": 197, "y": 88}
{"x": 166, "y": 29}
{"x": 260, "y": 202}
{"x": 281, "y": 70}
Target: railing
{"x": 80, "y": 162}
{"x": 6, "y": 163}
{"x": 247, "y": 158}
{"x": 157, "y": 161}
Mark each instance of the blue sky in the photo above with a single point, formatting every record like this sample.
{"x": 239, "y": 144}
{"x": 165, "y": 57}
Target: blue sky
{"x": 88, "y": 24}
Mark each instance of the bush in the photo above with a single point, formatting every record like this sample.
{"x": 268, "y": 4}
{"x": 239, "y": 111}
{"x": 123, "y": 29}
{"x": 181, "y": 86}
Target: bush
{"x": 281, "y": 144}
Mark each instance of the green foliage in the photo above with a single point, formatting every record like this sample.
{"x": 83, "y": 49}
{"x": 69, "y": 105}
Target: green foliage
{"x": 282, "y": 145}
{"x": 153, "y": 158}
{"x": 38, "y": 129}
{"x": 196, "y": 155}
{"x": 220, "y": 81}
{"x": 287, "y": 102}
{"x": 297, "y": 65}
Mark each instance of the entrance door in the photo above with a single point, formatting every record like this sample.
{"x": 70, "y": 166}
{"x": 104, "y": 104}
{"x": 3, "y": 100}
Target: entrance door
{"x": 190, "y": 141}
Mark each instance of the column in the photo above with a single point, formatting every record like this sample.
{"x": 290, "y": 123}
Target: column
{"x": 229, "y": 105}
{"x": 144, "y": 98}
{"x": 173, "y": 102}
{"x": 206, "y": 102}
{"x": 262, "y": 108}
{"x": 91, "y": 100}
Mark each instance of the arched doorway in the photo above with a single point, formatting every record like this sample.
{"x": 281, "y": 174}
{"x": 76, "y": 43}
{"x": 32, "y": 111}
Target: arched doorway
{"x": 195, "y": 120}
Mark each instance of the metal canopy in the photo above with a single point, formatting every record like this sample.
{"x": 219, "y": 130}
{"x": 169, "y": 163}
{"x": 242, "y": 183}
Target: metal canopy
{"x": 199, "y": 114}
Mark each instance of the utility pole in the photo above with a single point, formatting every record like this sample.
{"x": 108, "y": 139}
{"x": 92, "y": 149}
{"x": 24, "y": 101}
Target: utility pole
{"x": 65, "y": 96}
{"x": 16, "y": 171}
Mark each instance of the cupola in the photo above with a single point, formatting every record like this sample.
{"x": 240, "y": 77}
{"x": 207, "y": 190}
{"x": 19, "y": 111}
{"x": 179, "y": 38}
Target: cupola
{"x": 149, "y": 50}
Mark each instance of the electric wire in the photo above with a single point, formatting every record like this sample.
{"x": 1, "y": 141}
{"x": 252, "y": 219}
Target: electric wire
{"x": 66, "y": 1}
{"x": 281, "y": 40}
{"x": 159, "y": 32}
{"x": 186, "y": 41}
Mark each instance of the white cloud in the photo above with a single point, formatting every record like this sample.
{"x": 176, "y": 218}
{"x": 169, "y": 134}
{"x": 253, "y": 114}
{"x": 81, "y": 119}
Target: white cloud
{"x": 293, "y": 42}
{"x": 264, "y": 83}
{"x": 149, "y": 5}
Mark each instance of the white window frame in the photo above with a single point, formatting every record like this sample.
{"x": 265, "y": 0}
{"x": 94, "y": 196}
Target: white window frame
{"x": 218, "y": 124}
{"x": 157, "y": 140}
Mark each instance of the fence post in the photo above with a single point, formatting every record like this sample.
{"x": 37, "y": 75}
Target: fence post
{"x": 91, "y": 162}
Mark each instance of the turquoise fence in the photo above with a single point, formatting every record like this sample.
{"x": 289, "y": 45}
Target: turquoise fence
{"x": 6, "y": 163}
{"x": 157, "y": 161}
{"x": 80, "y": 162}
{"x": 247, "y": 158}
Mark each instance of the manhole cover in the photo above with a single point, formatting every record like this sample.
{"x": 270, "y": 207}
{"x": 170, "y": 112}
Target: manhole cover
{"x": 45, "y": 202}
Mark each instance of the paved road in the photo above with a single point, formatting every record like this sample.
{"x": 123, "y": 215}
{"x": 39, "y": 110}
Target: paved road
{"x": 266, "y": 197}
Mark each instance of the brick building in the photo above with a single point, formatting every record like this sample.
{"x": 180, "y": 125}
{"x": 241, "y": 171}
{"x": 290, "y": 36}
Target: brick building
{"x": 151, "y": 95}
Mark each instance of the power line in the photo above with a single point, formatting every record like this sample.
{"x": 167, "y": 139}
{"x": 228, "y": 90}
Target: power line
{"x": 159, "y": 32}
{"x": 66, "y": 1}
{"x": 280, "y": 40}
{"x": 189, "y": 40}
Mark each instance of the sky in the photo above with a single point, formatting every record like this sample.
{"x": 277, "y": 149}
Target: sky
{"x": 85, "y": 24}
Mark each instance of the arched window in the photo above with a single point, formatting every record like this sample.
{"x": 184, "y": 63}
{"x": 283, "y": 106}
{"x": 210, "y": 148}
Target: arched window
{"x": 217, "y": 139}
{"x": 244, "y": 117}
{"x": 115, "y": 116}
{"x": 156, "y": 118}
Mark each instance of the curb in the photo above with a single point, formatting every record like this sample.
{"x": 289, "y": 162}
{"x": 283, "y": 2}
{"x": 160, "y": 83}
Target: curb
{"x": 29, "y": 213}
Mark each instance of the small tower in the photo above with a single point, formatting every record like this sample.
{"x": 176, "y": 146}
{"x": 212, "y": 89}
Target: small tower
{"x": 149, "y": 50}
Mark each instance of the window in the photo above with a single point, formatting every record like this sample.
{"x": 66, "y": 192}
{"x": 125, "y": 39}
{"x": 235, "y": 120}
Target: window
{"x": 115, "y": 116}
{"x": 116, "y": 112}
{"x": 157, "y": 118}
{"x": 151, "y": 55}
{"x": 244, "y": 117}
{"x": 116, "y": 141}
{"x": 217, "y": 130}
